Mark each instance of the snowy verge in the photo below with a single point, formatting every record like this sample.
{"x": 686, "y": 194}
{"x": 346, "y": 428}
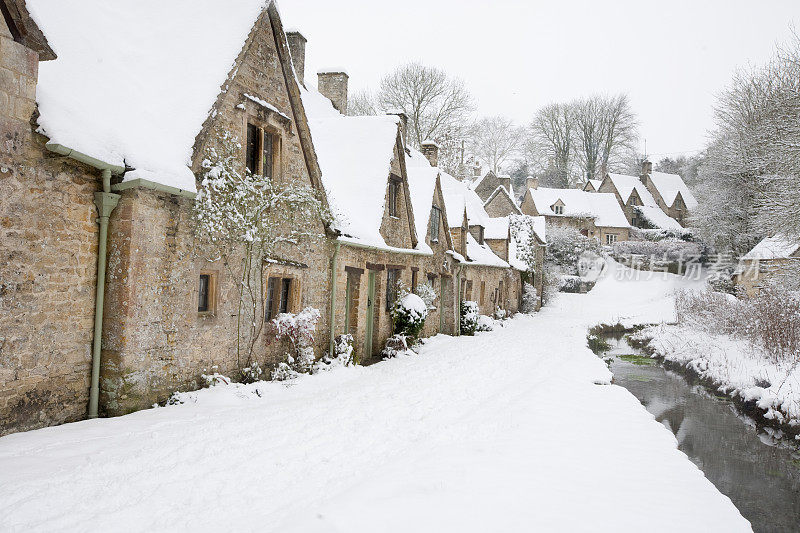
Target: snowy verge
{"x": 734, "y": 366}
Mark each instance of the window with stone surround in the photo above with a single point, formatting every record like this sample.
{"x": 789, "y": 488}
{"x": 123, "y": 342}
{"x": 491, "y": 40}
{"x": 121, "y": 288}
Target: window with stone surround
{"x": 611, "y": 238}
{"x": 394, "y": 194}
{"x": 206, "y": 293}
{"x": 261, "y": 150}
{"x": 280, "y": 293}
{"x": 392, "y": 280}
{"x": 435, "y": 222}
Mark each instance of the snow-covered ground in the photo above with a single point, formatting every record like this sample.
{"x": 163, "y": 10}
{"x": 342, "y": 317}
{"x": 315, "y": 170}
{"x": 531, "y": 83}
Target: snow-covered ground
{"x": 735, "y": 366}
{"x": 506, "y": 431}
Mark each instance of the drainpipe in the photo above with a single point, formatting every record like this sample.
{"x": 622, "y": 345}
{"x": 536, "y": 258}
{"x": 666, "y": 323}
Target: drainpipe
{"x": 333, "y": 296}
{"x": 105, "y": 201}
{"x": 458, "y": 301}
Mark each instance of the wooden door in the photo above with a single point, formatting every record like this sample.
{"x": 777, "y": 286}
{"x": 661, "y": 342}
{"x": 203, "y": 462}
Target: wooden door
{"x": 370, "y": 316}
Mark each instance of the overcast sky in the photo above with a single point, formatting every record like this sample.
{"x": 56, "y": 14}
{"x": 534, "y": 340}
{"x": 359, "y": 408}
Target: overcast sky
{"x": 670, "y": 57}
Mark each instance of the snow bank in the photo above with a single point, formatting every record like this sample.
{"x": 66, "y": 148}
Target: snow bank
{"x": 135, "y": 80}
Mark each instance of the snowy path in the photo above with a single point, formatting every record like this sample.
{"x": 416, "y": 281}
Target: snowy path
{"x": 506, "y": 431}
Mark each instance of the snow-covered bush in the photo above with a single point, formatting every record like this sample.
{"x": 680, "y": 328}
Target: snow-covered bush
{"x": 428, "y": 295}
{"x": 485, "y": 323}
{"x": 212, "y": 380}
{"x": 684, "y": 234}
{"x": 408, "y": 315}
{"x": 342, "y": 355}
{"x": 396, "y": 345}
{"x": 299, "y": 330}
{"x": 251, "y": 373}
{"x": 769, "y": 321}
{"x": 667, "y": 250}
{"x": 570, "y": 284}
{"x": 500, "y": 313}
{"x": 530, "y": 299}
{"x": 469, "y": 317}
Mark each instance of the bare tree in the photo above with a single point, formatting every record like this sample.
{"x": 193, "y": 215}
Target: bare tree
{"x": 362, "y": 102}
{"x": 605, "y": 130}
{"x": 438, "y": 107}
{"x": 495, "y": 140}
{"x": 552, "y": 140}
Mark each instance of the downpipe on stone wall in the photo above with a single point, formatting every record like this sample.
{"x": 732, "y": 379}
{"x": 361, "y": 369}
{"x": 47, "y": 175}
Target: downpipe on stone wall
{"x": 106, "y": 202}
{"x": 334, "y": 260}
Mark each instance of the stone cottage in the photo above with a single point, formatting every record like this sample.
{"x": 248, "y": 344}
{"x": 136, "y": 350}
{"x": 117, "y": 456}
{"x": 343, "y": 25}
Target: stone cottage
{"x": 112, "y": 297}
{"x": 636, "y": 201}
{"x": 595, "y": 215}
{"x": 774, "y": 260}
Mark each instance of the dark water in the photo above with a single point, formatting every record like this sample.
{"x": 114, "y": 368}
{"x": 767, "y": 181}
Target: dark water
{"x": 757, "y": 471}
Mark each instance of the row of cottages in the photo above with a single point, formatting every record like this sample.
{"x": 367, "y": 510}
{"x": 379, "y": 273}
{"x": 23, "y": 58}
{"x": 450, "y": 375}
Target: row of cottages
{"x": 655, "y": 200}
{"x": 110, "y": 124}
{"x": 774, "y": 260}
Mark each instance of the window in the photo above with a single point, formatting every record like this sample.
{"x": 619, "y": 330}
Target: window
{"x": 394, "y": 193}
{"x": 432, "y": 280}
{"x": 279, "y": 293}
{"x": 611, "y": 238}
{"x": 206, "y": 292}
{"x": 392, "y": 277}
{"x": 260, "y": 141}
{"x": 468, "y": 290}
{"x": 483, "y": 292}
{"x": 414, "y": 280}
{"x": 558, "y": 209}
{"x": 436, "y": 216}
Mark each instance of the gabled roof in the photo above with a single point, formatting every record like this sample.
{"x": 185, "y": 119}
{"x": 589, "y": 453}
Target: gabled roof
{"x": 669, "y": 185}
{"x": 649, "y": 209}
{"x": 355, "y": 155}
{"x": 602, "y": 207}
{"x": 481, "y": 254}
{"x": 594, "y": 183}
{"x": 458, "y": 197}
{"x": 135, "y": 80}
{"x": 476, "y": 183}
{"x": 422, "y": 185}
{"x": 23, "y": 28}
{"x": 777, "y": 247}
{"x": 502, "y": 190}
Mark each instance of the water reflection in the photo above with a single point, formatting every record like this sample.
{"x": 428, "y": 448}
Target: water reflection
{"x": 757, "y": 470}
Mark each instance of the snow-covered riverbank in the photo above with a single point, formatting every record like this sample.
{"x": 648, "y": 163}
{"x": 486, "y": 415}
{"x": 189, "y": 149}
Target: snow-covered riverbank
{"x": 734, "y": 366}
{"x": 506, "y": 431}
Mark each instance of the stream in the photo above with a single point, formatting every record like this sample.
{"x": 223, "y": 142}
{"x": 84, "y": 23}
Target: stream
{"x": 759, "y": 472}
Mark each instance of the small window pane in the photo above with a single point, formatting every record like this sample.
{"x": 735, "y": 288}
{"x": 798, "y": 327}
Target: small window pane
{"x": 270, "y": 303}
{"x": 203, "y": 293}
{"x": 436, "y": 215}
{"x": 285, "y": 285}
{"x": 268, "y": 155}
{"x": 252, "y": 149}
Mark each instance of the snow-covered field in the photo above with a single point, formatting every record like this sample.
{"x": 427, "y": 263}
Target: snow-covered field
{"x": 506, "y": 431}
{"x": 737, "y": 367}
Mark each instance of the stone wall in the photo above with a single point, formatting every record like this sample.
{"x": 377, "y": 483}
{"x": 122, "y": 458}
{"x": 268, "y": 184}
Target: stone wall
{"x": 486, "y": 288}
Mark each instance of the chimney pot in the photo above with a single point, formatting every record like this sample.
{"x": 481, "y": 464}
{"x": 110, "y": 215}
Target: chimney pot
{"x": 647, "y": 168}
{"x": 532, "y": 183}
{"x": 332, "y": 83}
{"x": 297, "y": 49}
{"x": 431, "y": 150}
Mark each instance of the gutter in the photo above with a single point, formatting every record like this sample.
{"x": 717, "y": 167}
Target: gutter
{"x": 106, "y": 202}
{"x": 334, "y": 260}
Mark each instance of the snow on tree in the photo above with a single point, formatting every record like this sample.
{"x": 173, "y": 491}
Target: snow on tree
{"x": 495, "y": 140}
{"x": 249, "y": 221}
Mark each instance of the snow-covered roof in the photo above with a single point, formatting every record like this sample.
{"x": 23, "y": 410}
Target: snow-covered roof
{"x": 596, "y": 184}
{"x": 457, "y": 197}
{"x": 422, "y": 185}
{"x": 539, "y": 226}
{"x": 355, "y": 155}
{"x": 481, "y": 254}
{"x": 135, "y": 80}
{"x": 777, "y": 247}
{"x": 496, "y": 228}
{"x": 502, "y": 190}
{"x": 649, "y": 209}
{"x": 669, "y": 185}
{"x": 603, "y": 207}
{"x": 475, "y": 183}
{"x": 658, "y": 218}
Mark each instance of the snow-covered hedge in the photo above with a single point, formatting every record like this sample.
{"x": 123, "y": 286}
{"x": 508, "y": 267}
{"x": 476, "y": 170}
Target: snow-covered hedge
{"x": 668, "y": 250}
{"x": 299, "y": 330}
{"x": 567, "y": 248}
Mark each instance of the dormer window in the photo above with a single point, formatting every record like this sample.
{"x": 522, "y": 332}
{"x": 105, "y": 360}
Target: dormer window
{"x": 394, "y": 194}
{"x": 558, "y": 209}
{"x": 260, "y": 154}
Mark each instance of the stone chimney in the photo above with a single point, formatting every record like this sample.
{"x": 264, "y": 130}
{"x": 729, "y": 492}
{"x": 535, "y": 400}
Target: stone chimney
{"x": 431, "y": 150}
{"x": 403, "y": 122}
{"x": 332, "y": 83}
{"x": 531, "y": 183}
{"x": 505, "y": 181}
{"x": 647, "y": 169}
{"x": 297, "y": 48}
